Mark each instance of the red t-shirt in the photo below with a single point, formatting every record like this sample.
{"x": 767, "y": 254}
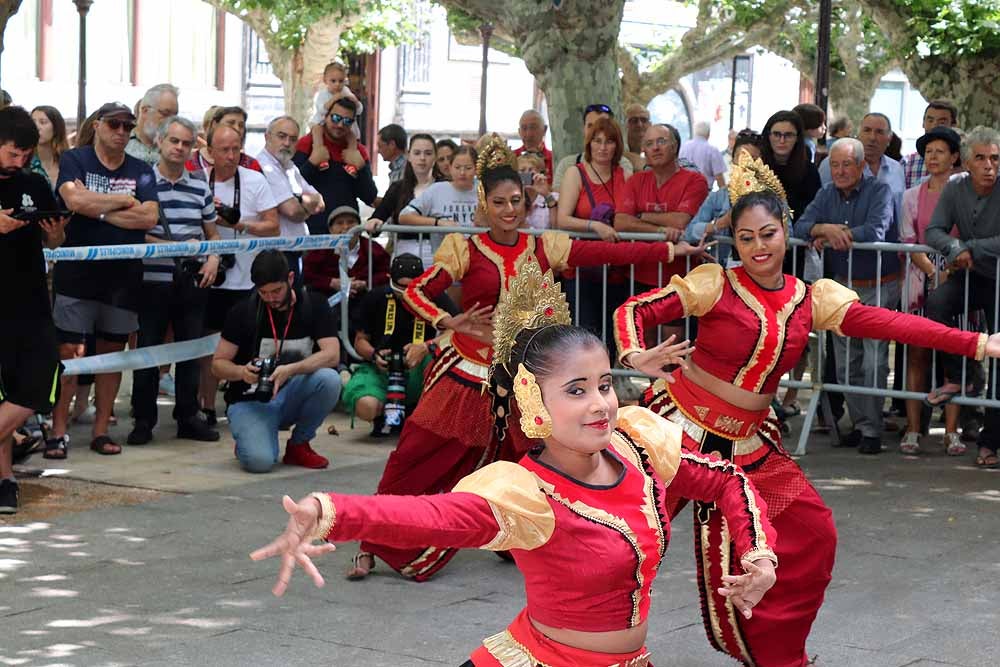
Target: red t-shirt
{"x": 612, "y": 193}
{"x": 336, "y": 151}
{"x": 684, "y": 192}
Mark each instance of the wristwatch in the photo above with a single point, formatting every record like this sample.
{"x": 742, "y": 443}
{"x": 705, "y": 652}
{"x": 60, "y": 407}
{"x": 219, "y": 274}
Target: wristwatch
{"x": 550, "y": 201}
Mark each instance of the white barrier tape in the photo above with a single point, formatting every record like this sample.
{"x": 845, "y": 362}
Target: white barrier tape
{"x": 144, "y": 357}
{"x": 152, "y": 356}
{"x": 195, "y": 248}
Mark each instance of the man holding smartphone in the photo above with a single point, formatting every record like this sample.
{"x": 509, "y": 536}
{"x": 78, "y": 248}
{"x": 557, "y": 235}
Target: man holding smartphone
{"x": 29, "y": 356}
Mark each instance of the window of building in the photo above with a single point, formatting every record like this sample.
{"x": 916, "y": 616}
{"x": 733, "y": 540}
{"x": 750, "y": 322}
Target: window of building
{"x": 177, "y": 43}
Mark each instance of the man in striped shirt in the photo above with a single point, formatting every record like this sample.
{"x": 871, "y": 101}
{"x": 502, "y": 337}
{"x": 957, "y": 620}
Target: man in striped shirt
{"x": 175, "y": 291}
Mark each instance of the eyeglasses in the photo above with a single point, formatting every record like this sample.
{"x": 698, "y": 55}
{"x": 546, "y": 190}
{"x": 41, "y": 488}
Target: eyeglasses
{"x": 116, "y": 125}
{"x": 659, "y": 141}
{"x": 784, "y": 136}
{"x": 602, "y": 108}
{"x": 343, "y": 120}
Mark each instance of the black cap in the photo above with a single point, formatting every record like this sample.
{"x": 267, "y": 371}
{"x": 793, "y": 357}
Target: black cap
{"x": 940, "y": 133}
{"x": 405, "y": 266}
{"x": 116, "y": 110}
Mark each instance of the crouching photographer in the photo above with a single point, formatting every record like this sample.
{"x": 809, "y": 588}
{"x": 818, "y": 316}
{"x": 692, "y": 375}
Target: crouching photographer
{"x": 175, "y": 291}
{"x": 395, "y": 344}
{"x": 278, "y": 350}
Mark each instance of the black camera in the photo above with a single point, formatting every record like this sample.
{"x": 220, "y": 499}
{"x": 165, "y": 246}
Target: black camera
{"x": 265, "y": 385}
{"x": 395, "y": 392}
{"x": 188, "y": 272}
{"x": 229, "y": 214}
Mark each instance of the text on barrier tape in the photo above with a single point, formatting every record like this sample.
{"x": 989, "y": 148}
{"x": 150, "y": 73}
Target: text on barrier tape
{"x": 196, "y": 248}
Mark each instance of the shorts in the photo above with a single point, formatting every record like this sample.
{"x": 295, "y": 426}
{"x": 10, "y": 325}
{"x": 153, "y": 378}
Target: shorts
{"x": 29, "y": 365}
{"x": 366, "y": 380}
{"x": 220, "y": 302}
{"x": 75, "y": 318}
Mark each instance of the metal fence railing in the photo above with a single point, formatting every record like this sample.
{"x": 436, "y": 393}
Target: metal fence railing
{"x": 819, "y": 387}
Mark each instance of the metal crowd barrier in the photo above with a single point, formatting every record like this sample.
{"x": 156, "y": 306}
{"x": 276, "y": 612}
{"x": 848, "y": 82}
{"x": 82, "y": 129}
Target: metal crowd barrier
{"x": 428, "y": 235}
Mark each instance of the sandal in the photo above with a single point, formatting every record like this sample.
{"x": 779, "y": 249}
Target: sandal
{"x": 793, "y": 409}
{"x": 105, "y": 446}
{"x": 946, "y": 396}
{"x": 910, "y": 445}
{"x": 953, "y": 444}
{"x": 988, "y": 461}
{"x": 56, "y": 448}
{"x": 359, "y": 571}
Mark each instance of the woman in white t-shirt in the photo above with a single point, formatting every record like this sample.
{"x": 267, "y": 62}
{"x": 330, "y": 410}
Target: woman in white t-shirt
{"x": 445, "y": 203}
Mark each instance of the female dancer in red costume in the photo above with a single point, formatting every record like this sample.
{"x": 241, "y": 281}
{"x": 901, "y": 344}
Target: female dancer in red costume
{"x": 753, "y": 325}
{"x": 457, "y": 427}
{"x": 582, "y": 513}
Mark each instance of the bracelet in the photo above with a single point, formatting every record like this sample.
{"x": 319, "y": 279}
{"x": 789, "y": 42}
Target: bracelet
{"x": 590, "y": 225}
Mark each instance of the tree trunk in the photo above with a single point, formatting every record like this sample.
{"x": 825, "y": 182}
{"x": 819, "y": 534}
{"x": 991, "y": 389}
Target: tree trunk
{"x": 570, "y": 84}
{"x": 851, "y": 96}
{"x": 570, "y": 51}
{"x": 7, "y": 9}
{"x": 971, "y": 83}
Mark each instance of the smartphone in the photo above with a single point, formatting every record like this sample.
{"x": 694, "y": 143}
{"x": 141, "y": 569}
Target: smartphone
{"x": 527, "y": 178}
{"x": 36, "y": 216}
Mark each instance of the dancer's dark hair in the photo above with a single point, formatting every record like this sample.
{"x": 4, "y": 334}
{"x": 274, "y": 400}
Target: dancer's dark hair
{"x": 768, "y": 200}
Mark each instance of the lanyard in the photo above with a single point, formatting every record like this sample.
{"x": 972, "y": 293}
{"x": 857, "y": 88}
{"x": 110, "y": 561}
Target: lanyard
{"x": 390, "y": 322}
{"x": 274, "y": 330}
{"x": 236, "y": 185}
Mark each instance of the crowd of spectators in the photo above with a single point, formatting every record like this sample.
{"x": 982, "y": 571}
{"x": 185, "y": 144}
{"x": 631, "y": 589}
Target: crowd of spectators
{"x": 147, "y": 175}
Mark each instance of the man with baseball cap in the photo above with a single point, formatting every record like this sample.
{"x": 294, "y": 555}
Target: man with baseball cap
{"x": 113, "y": 199}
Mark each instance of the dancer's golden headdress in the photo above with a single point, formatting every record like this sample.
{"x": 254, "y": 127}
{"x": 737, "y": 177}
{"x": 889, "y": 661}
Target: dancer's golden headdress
{"x": 749, "y": 174}
{"x": 532, "y": 300}
{"x": 495, "y": 153}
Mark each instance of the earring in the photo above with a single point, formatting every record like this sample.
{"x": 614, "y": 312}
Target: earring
{"x": 535, "y": 419}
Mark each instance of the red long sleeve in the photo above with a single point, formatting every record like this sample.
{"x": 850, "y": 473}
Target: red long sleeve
{"x": 456, "y": 520}
{"x": 863, "y": 321}
{"x": 319, "y": 267}
{"x": 710, "y": 479}
{"x": 644, "y": 311}
{"x": 598, "y": 253}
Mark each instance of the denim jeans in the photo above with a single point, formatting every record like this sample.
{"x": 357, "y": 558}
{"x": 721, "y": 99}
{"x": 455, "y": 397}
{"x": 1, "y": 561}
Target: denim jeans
{"x": 304, "y": 401}
{"x": 869, "y": 363}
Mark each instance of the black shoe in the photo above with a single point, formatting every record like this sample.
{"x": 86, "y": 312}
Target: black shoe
{"x": 870, "y": 446}
{"x": 142, "y": 434}
{"x": 379, "y": 429}
{"x": 196, "y": 429}
{"x": 210, "y": 417}
{"x": 852, "y": 439}
{"x": 9, "y": 496}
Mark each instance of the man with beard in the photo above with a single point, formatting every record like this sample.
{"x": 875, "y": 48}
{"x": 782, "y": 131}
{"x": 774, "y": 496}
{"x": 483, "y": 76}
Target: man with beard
{"x": 158, "y": 104}
{"x": 333, "y": 161}
{"x": 297, "y": 198}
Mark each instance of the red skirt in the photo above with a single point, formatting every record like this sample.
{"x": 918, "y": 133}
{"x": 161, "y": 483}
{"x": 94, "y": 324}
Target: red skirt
{"x": 807, "y": 538}
{"x": 523, "y": 644}
{"x": 449, "y": 435}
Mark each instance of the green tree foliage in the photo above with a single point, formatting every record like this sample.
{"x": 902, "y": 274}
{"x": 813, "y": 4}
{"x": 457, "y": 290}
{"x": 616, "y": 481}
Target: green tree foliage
{"x": 949, "y": 49}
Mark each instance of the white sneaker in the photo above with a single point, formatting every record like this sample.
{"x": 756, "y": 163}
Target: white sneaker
{"x": 910, "y": 445}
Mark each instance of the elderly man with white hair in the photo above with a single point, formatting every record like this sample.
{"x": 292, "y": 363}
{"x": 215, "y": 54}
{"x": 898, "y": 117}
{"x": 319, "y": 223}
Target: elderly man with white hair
{"x": 853, "y": 208}
{"x": 532, "y": 128}
{"x": 297, "y": 199}
{"x": 704, "y": 156}
{"x": 157, "y": 104}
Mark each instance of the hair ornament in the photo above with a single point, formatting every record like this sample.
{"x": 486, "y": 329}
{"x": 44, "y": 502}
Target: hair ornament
{"x": 494, "y": 153}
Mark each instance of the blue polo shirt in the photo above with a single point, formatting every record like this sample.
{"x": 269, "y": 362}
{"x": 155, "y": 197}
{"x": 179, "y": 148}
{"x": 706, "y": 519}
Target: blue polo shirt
{"x": 869, "y": 211}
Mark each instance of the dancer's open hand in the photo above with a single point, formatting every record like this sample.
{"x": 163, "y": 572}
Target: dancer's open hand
{"x": 293, "y": 546}
{"x": 746, "y": 590}
{"x": 668, "y": 353}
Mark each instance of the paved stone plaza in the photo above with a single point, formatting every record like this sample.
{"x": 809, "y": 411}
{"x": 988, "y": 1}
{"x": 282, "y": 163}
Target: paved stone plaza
{"x": 168, "y": 581}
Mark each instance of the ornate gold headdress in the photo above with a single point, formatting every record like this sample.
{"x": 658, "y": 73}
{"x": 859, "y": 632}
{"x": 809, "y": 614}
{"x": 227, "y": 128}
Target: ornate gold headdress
{"x": 494, "y": 153}
{"x": 749, "y": 174}
{"x": 532, "y": 300}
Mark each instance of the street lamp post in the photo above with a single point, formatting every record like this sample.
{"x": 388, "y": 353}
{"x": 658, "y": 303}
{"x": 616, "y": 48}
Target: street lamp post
{"x": 82, "y": 6}
{"x": 486, "y": 30}
{"x": 823, "y": 56}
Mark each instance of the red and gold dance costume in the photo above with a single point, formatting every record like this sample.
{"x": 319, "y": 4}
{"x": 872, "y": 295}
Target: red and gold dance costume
{"x": 749, "y": 336}
{"x": 458, "y": 427}
{"x": 605, "y": 542}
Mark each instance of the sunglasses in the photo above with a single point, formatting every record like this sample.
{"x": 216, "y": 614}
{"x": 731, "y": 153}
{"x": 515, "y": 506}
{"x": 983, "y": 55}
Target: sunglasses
{"x": 344, "y": 120}
{"x": 603, "y": 108}
{"x": 116, "y": 125}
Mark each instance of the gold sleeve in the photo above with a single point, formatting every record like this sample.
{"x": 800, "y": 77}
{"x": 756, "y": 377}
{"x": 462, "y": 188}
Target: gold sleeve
{"x": 830, "y": 301}
{"x": 523, "y": 513}
{"x": 453, "y": 255}
{"x": 660, "y": 438}
{"x": 700, "y": 289}
{"x": 557, "y": 246}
